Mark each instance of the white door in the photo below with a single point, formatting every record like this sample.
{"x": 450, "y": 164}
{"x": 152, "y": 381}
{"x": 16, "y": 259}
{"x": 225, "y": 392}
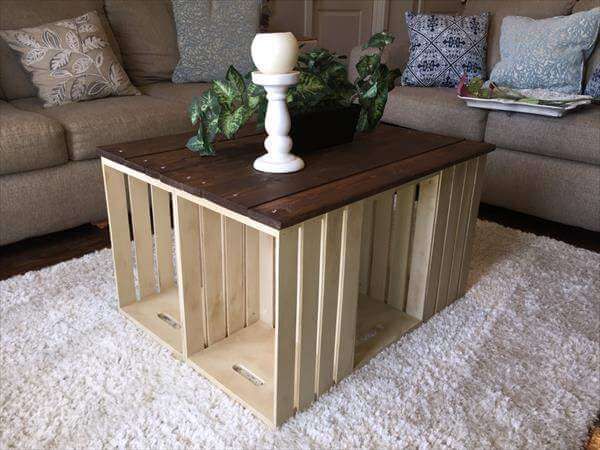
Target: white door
{"x": 340, "y": 25}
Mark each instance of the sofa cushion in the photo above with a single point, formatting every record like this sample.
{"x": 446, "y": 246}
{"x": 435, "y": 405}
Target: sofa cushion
{"x": 70, "y": 60}
{"x": 14, "y": 14}
{"x": 443, "y": 47}
{"x": 536, "y": 9}
{"x": 112, "y": 120}
{"x": 213, "y": 35}
{"x": 147, "y": 38}
{"x": 436, "y": 110}
{"x": 551, "y": 57}
{"x": 575, "y": 136}
{"x": 594, "y": 62}
{"x": 29, "y": 141}
{"x": 180, "y": 93}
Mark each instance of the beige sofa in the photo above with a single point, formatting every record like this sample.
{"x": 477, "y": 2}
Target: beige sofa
{"x": 545, "y": 167}
{"x": 50, "y": 177}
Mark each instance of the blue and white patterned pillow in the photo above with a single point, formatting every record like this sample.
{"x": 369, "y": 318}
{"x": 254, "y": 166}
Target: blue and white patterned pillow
{"x": 593, "y": 85}
{"x": 546, "y": 53}
{"x": 443, "y": 47}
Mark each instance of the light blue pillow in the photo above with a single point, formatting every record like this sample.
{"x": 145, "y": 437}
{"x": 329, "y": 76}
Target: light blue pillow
{"x": 547, "y": 53}
{"x": 593, "y": 85}
{"x": 212, "y": 35}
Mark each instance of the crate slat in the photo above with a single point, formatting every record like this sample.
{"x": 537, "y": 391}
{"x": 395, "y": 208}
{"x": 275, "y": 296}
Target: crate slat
{"x": 212, "y": 266}
{"x": 161, "y": 218}
{"x": 350, "y": 261}
{"x": 116, "y": 204}
{"x": 267, "y": 278}
{"x": 233, "y": 244}
{"x": 142, "y": 234}
{"x": 306, "y": 331}
{"x": 252, "y": 274}
{"x": 286, "y": 282}
{"x": 189, "y": 274}
{"x": 328, "y": 304}
{"x": 381, "y": 244}
{"x": 366, "y": 245}
{"x": 400, "y": 247}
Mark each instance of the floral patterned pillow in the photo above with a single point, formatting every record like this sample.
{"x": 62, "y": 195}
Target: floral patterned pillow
{"x": 70, "y": 60}
{"x": 444, "y": 47}
{"x": 593, "y": 86}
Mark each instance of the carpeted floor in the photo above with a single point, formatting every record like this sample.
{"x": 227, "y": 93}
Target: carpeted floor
{"x": 515, "y": 364}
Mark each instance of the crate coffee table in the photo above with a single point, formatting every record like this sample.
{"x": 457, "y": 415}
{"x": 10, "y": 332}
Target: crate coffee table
{"x": 287, "y": 282}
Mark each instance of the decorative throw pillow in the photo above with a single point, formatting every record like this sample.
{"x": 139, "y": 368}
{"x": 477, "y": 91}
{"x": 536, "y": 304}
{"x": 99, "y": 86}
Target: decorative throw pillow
{"x": 593, "y": 86}
{"x": 443, "y": 48}
{"x": 70, "y": 60}
{"x": 212, "y": 35}
{"x": 547, "y": 53}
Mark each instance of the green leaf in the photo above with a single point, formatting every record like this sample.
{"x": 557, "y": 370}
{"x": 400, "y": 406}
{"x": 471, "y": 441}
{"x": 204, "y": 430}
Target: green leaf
{"x": 209, "y": 101}
{"x": 224, "y": 92}
{"x": 236, "y": 80}
{"x": 230, "y": 123}
{"x": 310, "y": 85}
{"x": 194, "y": 110}
{"x": 371, "y": 92}
{"x": 367, "y": 64}
{"x": 363, "y": 121}
{"x": 194, "y": 144}
{"x": 379, "y": 41}
{"x": 255, "y": 89}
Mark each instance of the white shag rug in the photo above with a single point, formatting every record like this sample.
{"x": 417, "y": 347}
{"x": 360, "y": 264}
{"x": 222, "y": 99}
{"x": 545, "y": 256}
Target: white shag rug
{"x": 514, "y": 364}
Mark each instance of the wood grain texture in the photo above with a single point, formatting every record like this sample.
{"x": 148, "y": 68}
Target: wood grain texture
{"x": 267, "y": 278}
{"x": 189, "y": 275}
{"x": 161, "y": 219}
{"x": 328, "y": 299}
{"x": 252, "y": 274}
{"x": 235, "y": 293}
{"x": 116, "y": 203}
{"x": 333, "y": 177}
{"x": 382, "y": 226}
{"x": 142, "y": 235}
{"x": 400, "y": 240}
{"x": 421, "y": 250}
{"x": 286, "y": 294}
{"x": 306, "y": 332}
{"x": 348, "y": 291}
{"x": 212, "y": 267}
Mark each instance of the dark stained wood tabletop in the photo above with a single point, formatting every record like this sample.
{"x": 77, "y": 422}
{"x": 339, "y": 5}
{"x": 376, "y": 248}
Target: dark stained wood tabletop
{"x": 334, "y": 177}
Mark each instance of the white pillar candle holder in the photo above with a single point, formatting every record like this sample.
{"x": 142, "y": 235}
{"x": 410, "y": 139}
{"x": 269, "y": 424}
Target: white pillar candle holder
{"x": 278, "y": 144}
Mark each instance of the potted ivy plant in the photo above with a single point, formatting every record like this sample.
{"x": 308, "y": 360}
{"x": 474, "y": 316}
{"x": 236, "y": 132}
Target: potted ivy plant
{"x": 323, "y": 95}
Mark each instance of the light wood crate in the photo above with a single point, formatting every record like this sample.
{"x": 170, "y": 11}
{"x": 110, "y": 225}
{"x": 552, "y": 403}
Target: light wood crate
{"x": 276, "y": 317}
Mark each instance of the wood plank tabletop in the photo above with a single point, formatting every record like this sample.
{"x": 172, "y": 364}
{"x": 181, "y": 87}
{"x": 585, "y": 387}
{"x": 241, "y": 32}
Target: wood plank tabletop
{"x": 374, "y": 162}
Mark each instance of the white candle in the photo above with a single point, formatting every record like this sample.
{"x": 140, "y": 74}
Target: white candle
{"x": 275, "y": 53}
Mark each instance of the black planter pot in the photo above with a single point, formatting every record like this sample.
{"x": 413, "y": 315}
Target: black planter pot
{"x": 321, "y": 129}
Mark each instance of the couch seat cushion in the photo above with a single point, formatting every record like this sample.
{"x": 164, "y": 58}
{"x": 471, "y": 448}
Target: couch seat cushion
{"x": 436, "y": 110}
{"x": 180, "y": 93}
{"x": 575, "y": 137}
{"x": 29, "y": 141}
{"x": 112, "y": 120}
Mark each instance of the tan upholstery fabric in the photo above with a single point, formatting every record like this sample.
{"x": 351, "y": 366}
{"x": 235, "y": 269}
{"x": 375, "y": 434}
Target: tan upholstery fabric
{"x": 112, "y": 120}
{"x": 15, "y": 14}
{"x": 554, "y": 189}
{"x": 575, "y": 136}
{"x": 29, "y": 141}
{"x": 536, "y": 9}
{"x": 147, "y": 38}
{"x": 594, "y": 61}
{"x": 70, "y": 60}
{"x": 436, "y": 110}
{"x": 180, "y": 93}
{"x": 47, "y": 200}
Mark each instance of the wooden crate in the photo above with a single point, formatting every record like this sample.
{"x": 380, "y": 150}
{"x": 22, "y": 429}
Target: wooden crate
{"x": 276, "y": 317}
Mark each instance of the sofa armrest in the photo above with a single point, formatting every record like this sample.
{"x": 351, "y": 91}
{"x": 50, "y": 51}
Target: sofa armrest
{"x": 394, "y": 55}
